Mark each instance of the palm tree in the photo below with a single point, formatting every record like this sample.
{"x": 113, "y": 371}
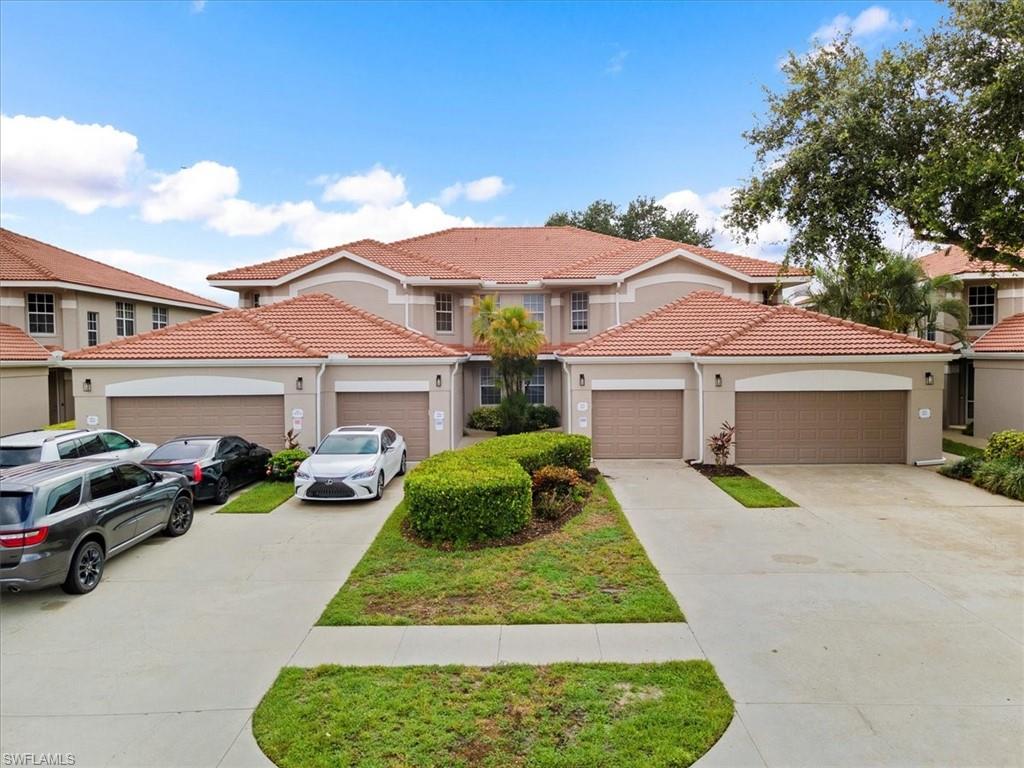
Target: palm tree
{"x": 484, "y": 310}
{"x": 513, "y": 339}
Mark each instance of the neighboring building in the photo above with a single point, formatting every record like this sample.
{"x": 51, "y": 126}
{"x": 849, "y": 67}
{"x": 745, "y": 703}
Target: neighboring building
{"x": 65, "y": 302}
{"x": 992, "y": 292}
{"x": 996, "y": 362}
{"x": 24, "y": 374}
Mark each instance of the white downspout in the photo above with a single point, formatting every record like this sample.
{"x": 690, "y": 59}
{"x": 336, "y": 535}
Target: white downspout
{"x": 451, "y": 405}
{"x": 700, "y": 412}
{"x": 405, "y": 290}
{"x": 567, "y": 405}
{"x": 319, "y": 378}
{"x": 618, "y": 285}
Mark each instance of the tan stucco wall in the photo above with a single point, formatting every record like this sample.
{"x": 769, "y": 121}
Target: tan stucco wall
{"x": 554, "y": 387}
{"x": 998, "y": 396}
{"x": 24, "y": 398}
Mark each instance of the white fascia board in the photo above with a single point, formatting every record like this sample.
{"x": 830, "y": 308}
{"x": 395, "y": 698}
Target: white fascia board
{"x": 159, "y": 300}
{"x": 382, "y": 386}
{"x": 273, "y": 362}
{"x": 989, "y": 276}
{"x": 395, "y": 361}
{"x": 500, "y": 286}
{"x": 926, "y": 357}
{"x": 29, "y": 363}
{"x": 625, "y": 359}
{"x": 421, "y": 281}
{"x": 641, "y": 384}
{"x": 581, "y": 281}
{"x": 322, "y": 262}
{"x": 993, "y": 355}
{"x": 485, "y": 358}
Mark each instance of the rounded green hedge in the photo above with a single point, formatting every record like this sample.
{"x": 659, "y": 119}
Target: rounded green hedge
{"x": 485, "y": 491}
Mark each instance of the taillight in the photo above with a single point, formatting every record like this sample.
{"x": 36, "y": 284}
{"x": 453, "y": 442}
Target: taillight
{"x": 197, "y": 473}
{"x": 23, "y": 538}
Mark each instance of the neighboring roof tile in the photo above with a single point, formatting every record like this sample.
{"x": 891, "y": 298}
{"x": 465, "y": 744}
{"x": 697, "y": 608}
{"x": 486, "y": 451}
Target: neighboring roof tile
{"x": 1005, "y": 336}
{"x": 311, "y": 325}
{"x": 953, "y": 260}
{"x": 15, "y": 344}
{"x": 23, "y": 258}
{"x": 708, "y": 323}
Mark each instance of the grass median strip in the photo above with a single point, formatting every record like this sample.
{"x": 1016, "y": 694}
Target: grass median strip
{"x": 612, "y": 715}
{"x": 592, "y": 569}
{"x": 751, "y": 492}
{"x": 260, "y": 498}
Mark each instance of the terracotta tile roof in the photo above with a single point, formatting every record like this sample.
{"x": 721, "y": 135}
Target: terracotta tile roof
{"x": 22, "y": 258}
{"x": 506, "y": 255}
{"x": 308, "y": 326}
{"x": 15, "y": 344}
{"x": 954, "y": 260}
{"x": 1005, "y": 336}
{"x": 708, "y": 323}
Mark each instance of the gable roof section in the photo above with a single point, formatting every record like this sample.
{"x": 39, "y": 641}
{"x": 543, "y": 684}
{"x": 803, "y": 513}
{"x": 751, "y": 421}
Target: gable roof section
{"x": 1005, "y": 336}
{"x": 510, "y": 255}
{"x": 15, "y": 344}
{"x": 312, "y": 325}
{"x": 711, "y": 324}
{"x": 23, "y": 258}
{"x": 953, "y": 260}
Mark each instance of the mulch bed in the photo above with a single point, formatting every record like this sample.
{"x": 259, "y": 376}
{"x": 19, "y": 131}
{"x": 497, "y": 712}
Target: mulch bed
{"x": 713, "y": 470}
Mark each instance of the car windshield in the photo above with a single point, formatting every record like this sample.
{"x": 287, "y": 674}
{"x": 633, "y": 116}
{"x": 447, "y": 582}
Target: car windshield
{"x": 348, "y": 445}
{"x": 181, "y": 450}
{"x": 13, "y": 456}
{"x": 15, "y": 508}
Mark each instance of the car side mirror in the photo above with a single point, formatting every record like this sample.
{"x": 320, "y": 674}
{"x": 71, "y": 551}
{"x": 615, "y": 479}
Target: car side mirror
{"x": 136, "y": 443}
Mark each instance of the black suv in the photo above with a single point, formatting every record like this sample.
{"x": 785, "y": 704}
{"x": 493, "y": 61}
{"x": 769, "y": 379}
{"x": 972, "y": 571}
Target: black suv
{"x": 61, "y": 520}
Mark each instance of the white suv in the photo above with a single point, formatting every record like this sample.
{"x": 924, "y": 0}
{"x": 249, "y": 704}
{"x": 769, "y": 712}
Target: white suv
{"x": 55, "y": 444}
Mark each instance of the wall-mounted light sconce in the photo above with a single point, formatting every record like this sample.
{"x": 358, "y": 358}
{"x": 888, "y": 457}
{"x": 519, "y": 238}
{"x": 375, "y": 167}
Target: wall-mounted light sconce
{"x": 437, "y": 381}
{"x": 298, "y": 383}
{"x": 87, "y": 385}
{"x": 718, "y": 379}
{"x": 929, "y": 379}
{"x": 583, "y": 380}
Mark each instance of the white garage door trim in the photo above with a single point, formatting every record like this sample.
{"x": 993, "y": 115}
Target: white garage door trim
{"x": 382, "y": 386}
{"x": 193, "y": 386}
{"x": 823, "y": 381}
{"x": 646, "y": 384}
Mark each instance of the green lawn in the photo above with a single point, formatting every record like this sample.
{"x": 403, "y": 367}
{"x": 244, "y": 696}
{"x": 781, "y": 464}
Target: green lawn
{"x": 751, "y": 492}
{"x": 960, "y": 449}
{"x": 592, "y": 570}
{"x": 262, "y": 497}
{"x": 608, "y": 715}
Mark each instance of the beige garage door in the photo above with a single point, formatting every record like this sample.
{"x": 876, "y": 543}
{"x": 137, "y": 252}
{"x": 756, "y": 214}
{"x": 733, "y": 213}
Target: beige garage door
{"x": 821, "y": 427}
{"x": 258, "y": 418}
{"x": 405, "y": 412}
{"x": 638, "y": 424}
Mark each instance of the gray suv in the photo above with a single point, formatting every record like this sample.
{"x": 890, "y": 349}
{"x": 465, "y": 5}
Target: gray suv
{"x": 61, "y": 520}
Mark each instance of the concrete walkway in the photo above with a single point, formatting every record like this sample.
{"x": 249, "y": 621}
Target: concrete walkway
{"x": 879, "y": 624}
{"x": 960, "y": 437}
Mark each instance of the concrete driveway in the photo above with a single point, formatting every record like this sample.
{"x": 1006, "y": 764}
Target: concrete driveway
{"x": 879, "y": 624}
{"x": 164, "y": 663}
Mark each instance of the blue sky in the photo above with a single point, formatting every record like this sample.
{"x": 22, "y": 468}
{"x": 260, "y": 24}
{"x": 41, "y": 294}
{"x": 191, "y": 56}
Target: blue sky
{"x": 203, "y": 135}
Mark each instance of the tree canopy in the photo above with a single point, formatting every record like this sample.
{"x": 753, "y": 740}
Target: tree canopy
{"x": 929, "y": 135}
{"x": 644, "y": 217}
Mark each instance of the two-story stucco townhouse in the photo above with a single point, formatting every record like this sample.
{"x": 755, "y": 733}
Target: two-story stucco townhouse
{"x": 985, "y": 386}
{"x": 651, "y": 345}
{"x": 64, "y": 302}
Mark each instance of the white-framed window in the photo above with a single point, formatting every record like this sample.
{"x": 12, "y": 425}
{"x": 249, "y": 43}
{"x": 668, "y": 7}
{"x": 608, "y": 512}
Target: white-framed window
{"x": 929, "y": 333}
{"x": 255, "y": 299}
{"x": 92, "y": 328}
{"x": 535, "y": 387}
{"x": 534, "y": 304}
{"x": 981, "y": 305}
{"x": 159, "y": 318}
{"x": 490, "y": 393}
{"x": 444, "y": 312}
{"x": 124, "y": 317}
{"x": 42, "y": 315}
{"x": 579, "y": 311}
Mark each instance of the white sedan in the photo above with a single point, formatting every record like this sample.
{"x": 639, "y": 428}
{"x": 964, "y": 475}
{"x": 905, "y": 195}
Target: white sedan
{"x": 351, "y": 463}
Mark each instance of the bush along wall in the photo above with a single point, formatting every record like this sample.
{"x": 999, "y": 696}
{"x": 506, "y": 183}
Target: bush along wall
{"x": 485, "y": 491}
{"x": 1001, "y": 468}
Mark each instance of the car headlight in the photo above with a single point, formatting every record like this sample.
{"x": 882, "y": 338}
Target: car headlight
{"x": 364, "y": 475}
{"x": 301, "y": 474}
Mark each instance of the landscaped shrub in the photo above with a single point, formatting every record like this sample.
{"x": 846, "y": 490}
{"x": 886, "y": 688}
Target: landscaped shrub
{"x": 1003, "y": 476}
{"x": 543, "y": 417}
{"x": 1006, "y": 444}
{"x": 485, "y": 417}
{"x": 282, "y": 465}
{"x": 61, "y": 425}
{"x": 963, "y": 469}
{"x": 534, "y": 450}
{"x": 515, "y": 414}
{"x": 557, "y": 491}
{"x": 533, "y": 418}
{"x": 462, "y": 498}
{"x": 721, "y": 444}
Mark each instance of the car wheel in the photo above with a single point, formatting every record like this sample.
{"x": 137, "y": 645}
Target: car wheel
{"x": 223, "y": 490}
{"x": 181, "y": 516}
{"x": 401, "y": 467}
{"x": 86, "y": 569}
{"x": 380, "y": 485}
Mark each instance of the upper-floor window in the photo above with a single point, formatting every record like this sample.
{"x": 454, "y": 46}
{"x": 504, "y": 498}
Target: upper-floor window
{"x": 255, "y": 299}
{"x": 42, "y": 316}
{"x": 159, "y": 318}
{"x": 579, "y": 311}
{"x": 929, "y": 333}
{"x": 444, "y": 312}
{"x": 534, "y": 304}
{"x": 981, "y": 305}
{"x": 124, "y": 315}
{"x": 535, "y": 387}
{"x": 92, "y": 328}
{"x": 490, "y": 394}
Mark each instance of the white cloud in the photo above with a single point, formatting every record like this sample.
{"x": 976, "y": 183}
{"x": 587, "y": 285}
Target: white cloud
{"x": 197, "y": 6}
{"x": 617, "y": 62}
{"x": 478, "y": 191}
{"x": 870, "y": 22}
{"x": 320, "y": 229}
{"x": 375, "y": 187}
{"x": 186, "y": 274}
{"x": 81, "y": 166}
{"x": 193, "y": 193}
